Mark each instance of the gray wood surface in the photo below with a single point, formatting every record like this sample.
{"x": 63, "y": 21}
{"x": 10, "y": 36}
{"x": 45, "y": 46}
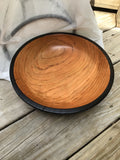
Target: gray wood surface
{"x": 104, "y": 147}
{"x": 11, "y": 106}
{"x": 41, "y": 135}
{"x": 111, "y": 40}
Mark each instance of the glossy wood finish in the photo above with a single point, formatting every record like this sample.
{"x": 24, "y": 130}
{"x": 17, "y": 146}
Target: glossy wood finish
{"x": 61, "y": 71}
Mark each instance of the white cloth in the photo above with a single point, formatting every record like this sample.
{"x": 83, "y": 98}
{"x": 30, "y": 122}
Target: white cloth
{"x": 21, "y": 20}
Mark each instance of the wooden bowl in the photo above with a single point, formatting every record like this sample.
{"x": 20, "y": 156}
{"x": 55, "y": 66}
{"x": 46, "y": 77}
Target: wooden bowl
{"x": 61, "y": 73}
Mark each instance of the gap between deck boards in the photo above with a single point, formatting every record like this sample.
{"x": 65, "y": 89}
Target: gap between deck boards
{"x": 17, "y": 120}
{"x": 110, "y": 125}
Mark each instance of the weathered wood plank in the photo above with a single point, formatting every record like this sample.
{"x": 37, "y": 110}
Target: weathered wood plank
{"x": 118, "y": 18}
{"x": 11, "y": 106}
{"x": 110, "y": 4}
{"x": 105, "y": 20}
{"x": 48, "y": 136}
{"x": 111, "y": 40}
{"x": 104, "y": 147}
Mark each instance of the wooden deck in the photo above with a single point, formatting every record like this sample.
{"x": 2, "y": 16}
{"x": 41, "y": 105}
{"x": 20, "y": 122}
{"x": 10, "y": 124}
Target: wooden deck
{"x": 29, "y": 134}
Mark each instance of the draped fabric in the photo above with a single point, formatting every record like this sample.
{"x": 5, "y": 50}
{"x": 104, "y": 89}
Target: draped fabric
{"x": 21, "y": 20}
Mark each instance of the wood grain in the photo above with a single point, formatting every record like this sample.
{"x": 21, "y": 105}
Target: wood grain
{"x": 11, "y": 106}
{"x": 43, "y": 136}
{"x": 105, "y": 20}
{"x": 111, "y": 41}
{"x": 110, "y": 4}
{"x": 62, "y": 71}
{"x": 104, "y": 147}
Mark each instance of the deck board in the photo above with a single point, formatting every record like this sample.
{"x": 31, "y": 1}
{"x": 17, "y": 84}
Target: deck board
{"x": 41, "y": 135}
{"x": 11, "y": 106}
{"x": 118, "y": 17}
{"x": 111, "y": 40}
{"x": 109, "y": 4}
{"x": 105, "y": 20}
{"x": 106, "y": 146}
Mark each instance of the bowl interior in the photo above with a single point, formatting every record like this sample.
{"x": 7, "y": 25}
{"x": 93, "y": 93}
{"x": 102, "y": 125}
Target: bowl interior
{"x": 61, "y": 71}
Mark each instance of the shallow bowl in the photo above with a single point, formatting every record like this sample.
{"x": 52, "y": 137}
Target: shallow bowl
{"x": 61, "y": 73}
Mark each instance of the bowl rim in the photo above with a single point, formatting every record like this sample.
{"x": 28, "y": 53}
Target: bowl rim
{"x": 56, "y": 110}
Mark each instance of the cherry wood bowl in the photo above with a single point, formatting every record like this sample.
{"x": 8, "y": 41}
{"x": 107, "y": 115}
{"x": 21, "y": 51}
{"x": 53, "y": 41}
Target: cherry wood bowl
{"x": 61, "y": 73}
